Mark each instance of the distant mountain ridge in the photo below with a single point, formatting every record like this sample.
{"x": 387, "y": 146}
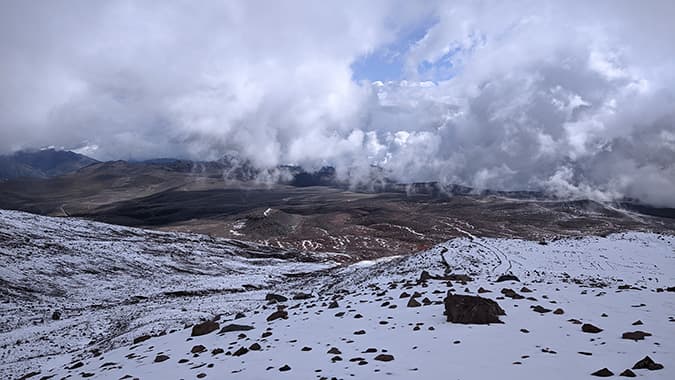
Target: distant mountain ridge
{"x": 43, "y": 163}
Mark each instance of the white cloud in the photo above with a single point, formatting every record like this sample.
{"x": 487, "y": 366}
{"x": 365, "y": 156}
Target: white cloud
{"x": 523, "y": 94}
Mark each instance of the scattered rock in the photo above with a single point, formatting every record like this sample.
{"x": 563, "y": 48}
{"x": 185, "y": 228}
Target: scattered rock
{"x": 160, "y": 358}
{"x": 302, "y": 296}
{"x": 511, "y": 294}
{"x": 558, "y": 311}
{"x": 333, "y": 305}
{"x": 56, "y": 315}
{"x": 141, "y": 339}
{"x": 271, "y": 297}
{"x": 647, "y": 363}
{"x": 284, "y": 368}
{"x": 279, "y": 314}
{"x": 635, "y": 335}
{"x": 412, "y": 302}
{"x": 235, "y": 327}
{"x": 359, "y": 332}
{"x": 628, "y": 373}
{"x": 204, "y": 328}
{"x": 384, "y": 357}
{"x": 482, "y": 290}
{"x": 198, "y": 349}
{"x": 76, "y": 365}
{"x": 540, "y": 309}
{"x": 255, "y": 347}
{"x": 507, "y": 277}
{"x": 471, "y": 309}
{"x": 637, "y": 323}
{"x": 603, "y": 373}
{"x": 241, "y": 351}
{"x": 589, "y": 328}
{"x": 334, "y": 351}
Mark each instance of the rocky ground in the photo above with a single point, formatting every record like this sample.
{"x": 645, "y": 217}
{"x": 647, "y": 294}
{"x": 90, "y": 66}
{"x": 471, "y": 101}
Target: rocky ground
{"x": 399, "y": 219}
{"x": 564, "y": 309}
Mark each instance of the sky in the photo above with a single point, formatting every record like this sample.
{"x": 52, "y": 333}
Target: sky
{"x": 572, "y": 97}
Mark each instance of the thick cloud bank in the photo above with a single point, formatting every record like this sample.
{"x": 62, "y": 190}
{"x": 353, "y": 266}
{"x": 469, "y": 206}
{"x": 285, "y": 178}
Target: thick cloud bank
{"x": 575, "y": 97}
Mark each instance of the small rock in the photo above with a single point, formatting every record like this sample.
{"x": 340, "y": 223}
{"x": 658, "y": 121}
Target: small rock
{"x": 235, "y": 327}
{"x": 334, "y": 351}
{"x": 204, "y": 328}
{"x": 384, "y": 357}
{"x": 589, "y": 328}
{"x": 647, "y": 363}
{"x": 285, "y": 368}
{"x": 628, "y": 373}
{"x": 141, "y": 339}
{"x": 540, "y": 309}
{"x": 240, "y": 351}
{"x": 271, "y": 297}
{"x": 603, "y": 373}
{"x": 255, "y": 347}
{"x": 412, "y": 302}
{"x": 302, "y": 296}
{"x": 160, "y": 358}
{"x": 558, "y": 311}
{"x": 635, "y": 335}
{"x": 507, "y": 277}
{"x": 279, "y": 314}
{"x": 198, "y": 349}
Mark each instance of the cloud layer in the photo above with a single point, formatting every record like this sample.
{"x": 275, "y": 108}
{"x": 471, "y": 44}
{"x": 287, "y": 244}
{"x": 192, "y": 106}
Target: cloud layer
{"x": 574, "y": 97}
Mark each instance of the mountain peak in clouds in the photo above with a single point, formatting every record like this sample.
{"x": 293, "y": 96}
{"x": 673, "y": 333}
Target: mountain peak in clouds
{"x": 42, "y": 163}
{"x": 499, "y": 95}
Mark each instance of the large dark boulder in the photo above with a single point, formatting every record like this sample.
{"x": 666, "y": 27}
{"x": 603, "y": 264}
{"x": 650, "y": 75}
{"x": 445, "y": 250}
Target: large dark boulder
{"x": 472, "y": 310}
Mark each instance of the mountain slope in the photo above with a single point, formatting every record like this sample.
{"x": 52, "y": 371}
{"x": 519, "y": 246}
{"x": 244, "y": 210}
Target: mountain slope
{"x": 609, "y": 282}
{"x": 41, "y": 163}
{"x": 68, "y": 283}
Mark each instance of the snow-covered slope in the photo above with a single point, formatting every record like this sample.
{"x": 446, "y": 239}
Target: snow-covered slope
{"x": 108, "y": 284}
{"x": 609, "y": 282}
